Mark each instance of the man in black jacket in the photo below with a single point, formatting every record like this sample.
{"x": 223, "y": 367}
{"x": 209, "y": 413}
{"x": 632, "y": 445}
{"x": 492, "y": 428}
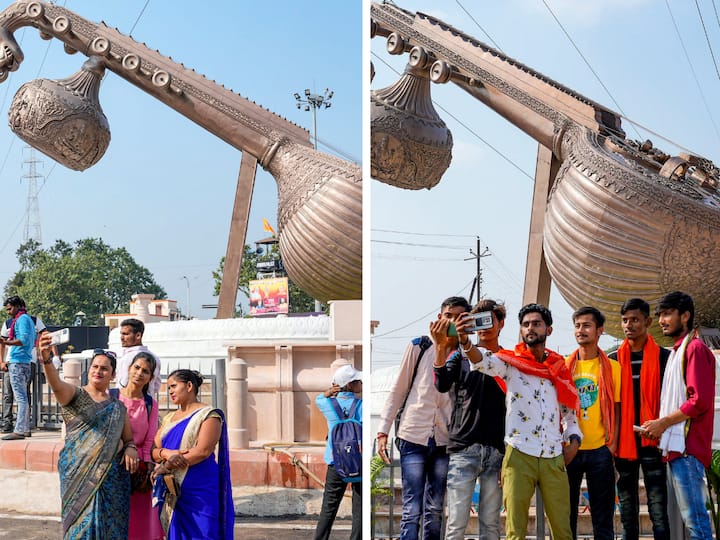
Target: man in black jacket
{"x": 477, "y": 429}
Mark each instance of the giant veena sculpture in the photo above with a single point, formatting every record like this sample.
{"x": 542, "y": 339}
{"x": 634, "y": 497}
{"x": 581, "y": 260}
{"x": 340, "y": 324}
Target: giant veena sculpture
{"x": 320, "y": 204}
{"x": 614, "y": 218}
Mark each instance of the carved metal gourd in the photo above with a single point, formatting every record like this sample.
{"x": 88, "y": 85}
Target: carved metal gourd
{"x": 411, "y": 145}
{"x": 63, "y": 119}
{"x": 623, "y": 219}
{"x": 320, "y": 196}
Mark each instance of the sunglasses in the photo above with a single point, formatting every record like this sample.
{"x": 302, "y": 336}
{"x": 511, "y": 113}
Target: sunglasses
{"x": 104, "y": 352}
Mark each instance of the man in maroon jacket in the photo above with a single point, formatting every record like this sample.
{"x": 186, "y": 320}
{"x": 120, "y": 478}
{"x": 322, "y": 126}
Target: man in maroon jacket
{"x": 687, "y": 399}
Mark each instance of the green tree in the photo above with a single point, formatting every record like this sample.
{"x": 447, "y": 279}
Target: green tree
{"x": 88, "y": 276}
{"x": 300, "y": 301}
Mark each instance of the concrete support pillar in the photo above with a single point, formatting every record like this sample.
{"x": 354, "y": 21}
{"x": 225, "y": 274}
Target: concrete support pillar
{"x": 142, "y": 306}
{"x": 72, "y": 371}
{"x": 285, "y": 392}
{"x": 237, "y": 404}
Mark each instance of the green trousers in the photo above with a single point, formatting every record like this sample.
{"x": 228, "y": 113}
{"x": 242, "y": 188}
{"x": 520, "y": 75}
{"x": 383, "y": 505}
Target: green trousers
{"x": 521, "y": 473}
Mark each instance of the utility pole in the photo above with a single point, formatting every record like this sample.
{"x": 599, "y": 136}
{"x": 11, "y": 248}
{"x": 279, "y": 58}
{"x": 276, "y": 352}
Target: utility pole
{"x": 32, "y": 208}
{"x": 477, "y": 282}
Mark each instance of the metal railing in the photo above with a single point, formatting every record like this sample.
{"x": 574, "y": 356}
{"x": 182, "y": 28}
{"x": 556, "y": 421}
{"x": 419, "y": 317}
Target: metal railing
{"x": 45, "y": 411}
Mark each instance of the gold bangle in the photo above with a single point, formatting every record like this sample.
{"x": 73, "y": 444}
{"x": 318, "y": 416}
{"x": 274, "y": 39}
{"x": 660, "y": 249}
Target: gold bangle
{"x": 468, "y": 349}
{"x": 162, "y": 459}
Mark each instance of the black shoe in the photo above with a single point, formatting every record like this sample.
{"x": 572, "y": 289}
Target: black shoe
{"x": 27, "y": 434}
{"x": 6, "y": 429}
{"x": 13, "y": 437}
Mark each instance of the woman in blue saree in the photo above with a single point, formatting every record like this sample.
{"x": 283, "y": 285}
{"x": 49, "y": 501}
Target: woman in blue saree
{"x": 192, "y": 488}
{"x": 99, "y": 452}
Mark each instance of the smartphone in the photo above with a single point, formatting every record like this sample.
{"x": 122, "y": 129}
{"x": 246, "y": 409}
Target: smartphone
{"x": 452, "y": 330}
{"x": 60, "y": 336}
{"x": 483, "y": 321}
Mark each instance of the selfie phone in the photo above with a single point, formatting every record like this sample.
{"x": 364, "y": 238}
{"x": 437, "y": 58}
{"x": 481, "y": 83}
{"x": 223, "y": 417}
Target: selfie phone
{"x": 60, "y": 336}
{"x": 452, "y": 330}
{"x": 483, "y": 321}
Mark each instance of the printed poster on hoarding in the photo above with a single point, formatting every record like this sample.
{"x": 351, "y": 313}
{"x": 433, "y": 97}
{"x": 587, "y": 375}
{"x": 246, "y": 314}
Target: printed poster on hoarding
{"x": 269, "y": 295}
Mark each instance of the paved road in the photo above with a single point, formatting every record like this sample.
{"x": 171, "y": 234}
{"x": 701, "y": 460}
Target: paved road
{"x": 20, "y": 527}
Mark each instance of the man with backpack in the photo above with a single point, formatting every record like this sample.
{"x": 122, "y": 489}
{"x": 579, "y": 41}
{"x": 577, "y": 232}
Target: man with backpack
{"x": 422, "y": 432}
{"x": 343, "y": 412}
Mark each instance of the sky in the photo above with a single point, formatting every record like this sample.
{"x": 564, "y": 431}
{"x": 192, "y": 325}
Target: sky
{"x": 165, "y": 187}
{"x": 635, "y": 50}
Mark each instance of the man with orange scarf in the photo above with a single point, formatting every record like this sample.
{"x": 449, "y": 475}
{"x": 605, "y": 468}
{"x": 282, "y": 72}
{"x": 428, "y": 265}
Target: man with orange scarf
{"x": 597, "y": 379}
{"x": 541, "y": 431}
{"x": 642, "y": 365}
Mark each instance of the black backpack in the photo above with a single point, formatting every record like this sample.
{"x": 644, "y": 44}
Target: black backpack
{"x": 346, "y": 442}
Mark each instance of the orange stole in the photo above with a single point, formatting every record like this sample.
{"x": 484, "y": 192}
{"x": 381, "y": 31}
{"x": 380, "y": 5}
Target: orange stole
{"x": 649, "y": 395}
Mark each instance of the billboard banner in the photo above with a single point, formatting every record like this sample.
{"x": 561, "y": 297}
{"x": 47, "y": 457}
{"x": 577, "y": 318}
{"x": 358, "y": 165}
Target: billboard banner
{"x": 269, "y": 295}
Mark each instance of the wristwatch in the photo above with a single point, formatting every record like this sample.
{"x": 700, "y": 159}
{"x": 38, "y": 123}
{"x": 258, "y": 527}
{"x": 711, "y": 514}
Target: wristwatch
{"x": 572, "y": 438}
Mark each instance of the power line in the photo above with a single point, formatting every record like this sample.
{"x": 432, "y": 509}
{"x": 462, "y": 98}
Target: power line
{"x": 707, "y": 38}
{"x": 440, "y": 246}
{"x": 425, "y": 316}
{"x": 424, "y": 234}
{"x": 692, "y": 70}
{"x": 585, "y": 60}
{"x": 139, "y": 17}
{"x": 478, "y": 25}
{"x": 417, "y": 259}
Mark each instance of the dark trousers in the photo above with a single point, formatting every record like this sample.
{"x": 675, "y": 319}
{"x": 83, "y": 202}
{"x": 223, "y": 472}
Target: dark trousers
{"x": 655, "y": 478}
{"x": 332, "y": 497}
{"x": 598, "y": 467}
{"x": 7, "y": 421}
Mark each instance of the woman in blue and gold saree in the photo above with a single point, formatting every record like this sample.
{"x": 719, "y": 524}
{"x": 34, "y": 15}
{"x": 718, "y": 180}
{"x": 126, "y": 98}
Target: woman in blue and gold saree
{"x": 98, "y": 455}
{"x": 192, "y": 487}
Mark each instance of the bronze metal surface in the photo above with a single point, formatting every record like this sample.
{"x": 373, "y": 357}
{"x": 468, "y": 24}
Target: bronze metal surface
{"x": 622, "y": 218}
{"x": 319, "y": 214}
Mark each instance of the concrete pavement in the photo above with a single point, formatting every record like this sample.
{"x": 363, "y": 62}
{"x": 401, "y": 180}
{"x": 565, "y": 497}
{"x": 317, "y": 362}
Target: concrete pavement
{"x": 48, "y": 527}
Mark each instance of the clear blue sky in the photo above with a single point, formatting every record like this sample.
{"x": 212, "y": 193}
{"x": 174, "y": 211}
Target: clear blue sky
{"x": 165, "y": 187}
{"x": 634, "y": 48}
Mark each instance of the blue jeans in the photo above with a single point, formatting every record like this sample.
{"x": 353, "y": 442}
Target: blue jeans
{"x": 424, "y": 473}
{"x": 598, "y": 467}
{"x": 19, "y": 379}
{"x": 655, "y": 478}
{"x": 474, "y": 462}
{"x": 687, "y": 475}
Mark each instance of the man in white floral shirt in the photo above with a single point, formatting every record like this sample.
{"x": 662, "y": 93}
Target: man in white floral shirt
{"x": 541, "y": 396}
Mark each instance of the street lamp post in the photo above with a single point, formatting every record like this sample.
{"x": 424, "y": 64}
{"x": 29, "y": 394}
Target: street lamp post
{"x": 314, "y": 102}
{"x": 187, "y": 291}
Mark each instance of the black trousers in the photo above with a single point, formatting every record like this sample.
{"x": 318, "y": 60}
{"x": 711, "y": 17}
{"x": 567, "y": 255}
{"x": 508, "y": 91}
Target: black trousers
{"x": 332, "y": 497}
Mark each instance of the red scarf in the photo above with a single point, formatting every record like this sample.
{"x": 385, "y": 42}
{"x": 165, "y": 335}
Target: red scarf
{"x": 649, "y": 395}
{"x": 606, "y": 389}
{"x": 552, "y": 368}
{"x": 11, "y": 331}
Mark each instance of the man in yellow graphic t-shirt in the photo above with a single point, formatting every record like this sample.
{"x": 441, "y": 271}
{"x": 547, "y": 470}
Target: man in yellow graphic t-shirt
{"x": 597, "y": 379}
